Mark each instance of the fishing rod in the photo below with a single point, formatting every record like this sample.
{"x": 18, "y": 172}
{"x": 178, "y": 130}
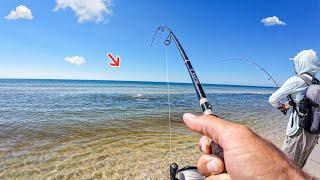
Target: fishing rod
{"x": 259, "y": 67}
{"x": 289, "y": 97}
{"x": 189, "y": 172}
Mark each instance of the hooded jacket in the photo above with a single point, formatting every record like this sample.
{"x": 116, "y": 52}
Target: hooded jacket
{"x": 304, "y": 62}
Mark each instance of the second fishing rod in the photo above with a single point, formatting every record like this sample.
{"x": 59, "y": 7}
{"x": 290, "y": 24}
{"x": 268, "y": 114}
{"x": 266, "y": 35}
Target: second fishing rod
{"x": 289, "y": 97}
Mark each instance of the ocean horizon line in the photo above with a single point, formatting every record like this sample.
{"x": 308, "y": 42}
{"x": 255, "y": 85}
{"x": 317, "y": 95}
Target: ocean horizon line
{"x": 136, "y": 81}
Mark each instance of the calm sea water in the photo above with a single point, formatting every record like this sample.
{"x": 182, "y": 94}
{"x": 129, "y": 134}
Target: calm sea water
{"x": 62, "y": 129}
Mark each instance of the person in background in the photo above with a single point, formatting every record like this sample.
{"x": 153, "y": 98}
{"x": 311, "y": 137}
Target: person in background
{"x": 298, "y": 143}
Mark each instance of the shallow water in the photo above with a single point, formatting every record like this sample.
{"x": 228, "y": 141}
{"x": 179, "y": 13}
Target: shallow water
{"x": 114, "y": 130}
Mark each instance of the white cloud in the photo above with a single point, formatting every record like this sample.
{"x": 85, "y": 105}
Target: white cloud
{"x": 272, "y": 21}
{"x": 78, "y": 60}
{"x": 21, "y": 12}
{"x": 86, "y": 10}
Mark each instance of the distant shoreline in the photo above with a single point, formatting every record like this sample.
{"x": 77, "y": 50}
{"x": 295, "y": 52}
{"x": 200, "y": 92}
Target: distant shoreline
{"x": 134, "y": 81}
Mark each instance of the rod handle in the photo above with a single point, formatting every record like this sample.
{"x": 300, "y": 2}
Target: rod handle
{"x": 216, "y": 149}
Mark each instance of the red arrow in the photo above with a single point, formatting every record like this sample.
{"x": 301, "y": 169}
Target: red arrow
{"x": 115, "y": 62}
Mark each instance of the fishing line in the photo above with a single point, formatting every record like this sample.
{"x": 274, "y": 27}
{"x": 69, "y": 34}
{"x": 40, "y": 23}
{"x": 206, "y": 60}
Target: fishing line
{"x": 169, "y": 105}
{"x": 166, "y": 43}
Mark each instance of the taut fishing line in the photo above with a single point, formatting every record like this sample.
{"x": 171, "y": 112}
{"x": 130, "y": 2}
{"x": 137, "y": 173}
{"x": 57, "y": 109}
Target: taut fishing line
{"x": 169, "y": 105}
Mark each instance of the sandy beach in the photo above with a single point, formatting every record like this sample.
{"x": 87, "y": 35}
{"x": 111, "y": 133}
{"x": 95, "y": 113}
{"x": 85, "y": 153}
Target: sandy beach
{"x": 313, "y": 165}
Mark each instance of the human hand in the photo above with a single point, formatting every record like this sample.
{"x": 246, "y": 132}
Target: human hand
{"x": 246, "y": 154}
{"x": 284, "y": 107}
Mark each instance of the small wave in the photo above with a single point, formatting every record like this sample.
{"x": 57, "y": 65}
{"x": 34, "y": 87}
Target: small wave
{"x": 137, "y": 96}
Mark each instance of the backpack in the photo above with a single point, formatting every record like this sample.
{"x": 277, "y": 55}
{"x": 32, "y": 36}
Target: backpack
{"x": 309, "y": 109}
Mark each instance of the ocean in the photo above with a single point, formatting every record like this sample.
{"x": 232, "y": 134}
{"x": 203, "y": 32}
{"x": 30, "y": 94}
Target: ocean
{"x": 83, "y": 129}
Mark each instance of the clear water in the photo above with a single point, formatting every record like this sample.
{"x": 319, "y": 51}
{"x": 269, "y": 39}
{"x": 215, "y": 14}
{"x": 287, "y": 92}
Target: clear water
{"x": 63, "y": 129}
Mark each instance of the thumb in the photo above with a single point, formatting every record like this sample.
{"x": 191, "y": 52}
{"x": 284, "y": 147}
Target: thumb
{"x": 211, "y": 126}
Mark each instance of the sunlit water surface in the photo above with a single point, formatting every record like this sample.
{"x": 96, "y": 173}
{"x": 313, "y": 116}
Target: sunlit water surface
{"x": 114, "y": 130}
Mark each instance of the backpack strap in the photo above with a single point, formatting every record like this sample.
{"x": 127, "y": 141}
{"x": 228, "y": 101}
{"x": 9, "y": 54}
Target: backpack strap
{"x": 291, "y": 102}
{"x": 294, "y": 107}
{"x": 308, "y": 82}
{"x": 306, "y": 79}
{"x": 314, "y": 79}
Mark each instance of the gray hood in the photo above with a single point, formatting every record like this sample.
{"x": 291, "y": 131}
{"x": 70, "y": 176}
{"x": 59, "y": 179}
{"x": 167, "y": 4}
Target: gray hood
{"x": 307, "y": 62}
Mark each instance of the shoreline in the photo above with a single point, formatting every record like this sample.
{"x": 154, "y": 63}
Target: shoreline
{"x": 137, "y": 81}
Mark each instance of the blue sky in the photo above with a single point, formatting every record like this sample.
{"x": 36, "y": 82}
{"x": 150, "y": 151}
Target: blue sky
{"x": 209, "y": 30}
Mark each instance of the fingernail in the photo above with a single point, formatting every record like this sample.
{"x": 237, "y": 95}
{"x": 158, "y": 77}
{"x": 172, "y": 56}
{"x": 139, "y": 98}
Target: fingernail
{"x": 189, "y": 116}
{"x": 212, "y": 166}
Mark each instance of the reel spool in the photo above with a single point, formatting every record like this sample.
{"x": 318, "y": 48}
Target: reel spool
{"x": 186, "y": 173}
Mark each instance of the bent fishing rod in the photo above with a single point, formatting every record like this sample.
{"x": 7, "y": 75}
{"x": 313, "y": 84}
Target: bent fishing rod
{"x": 189, "y": 172}
{"x": 259, "y": 67}
{"x": 289, "y": 97}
